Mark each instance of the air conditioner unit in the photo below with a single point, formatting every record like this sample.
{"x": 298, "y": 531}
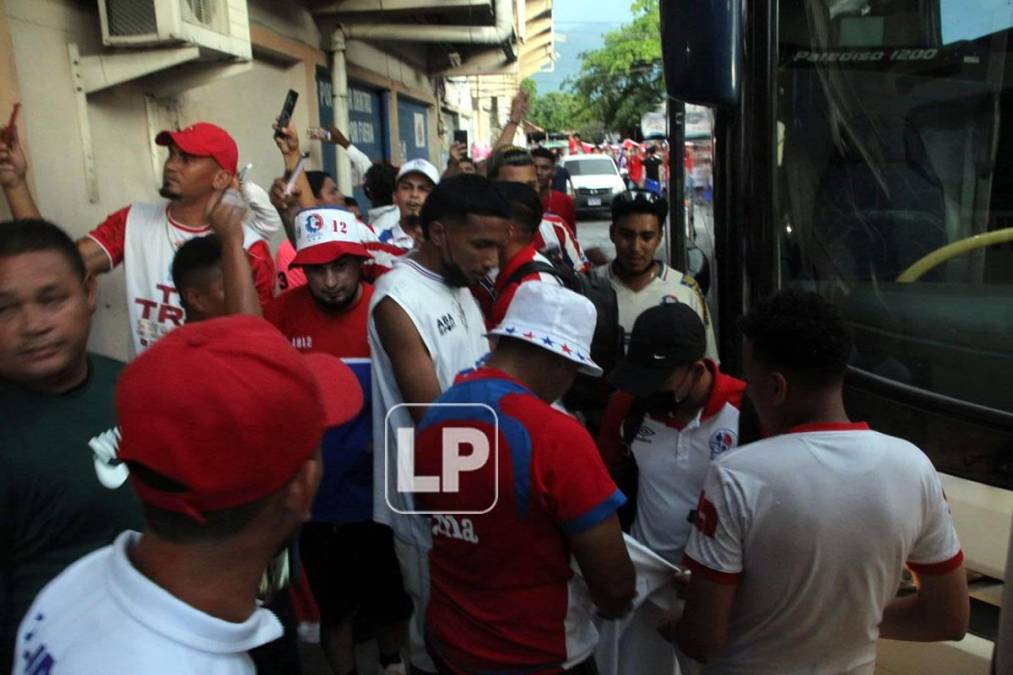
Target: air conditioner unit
{"x": 218, "y": 26}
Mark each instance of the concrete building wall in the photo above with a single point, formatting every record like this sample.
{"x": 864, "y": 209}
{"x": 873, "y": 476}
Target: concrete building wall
{"x": 35, "y": 69}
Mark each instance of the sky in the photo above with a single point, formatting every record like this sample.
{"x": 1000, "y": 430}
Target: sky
{"x": 582, "y": 22}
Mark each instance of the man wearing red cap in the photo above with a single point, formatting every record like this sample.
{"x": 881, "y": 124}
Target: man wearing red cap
{"x": 222, "y": 491}
{"x": 145, "y": 237}
{"x": 329, "y": 315}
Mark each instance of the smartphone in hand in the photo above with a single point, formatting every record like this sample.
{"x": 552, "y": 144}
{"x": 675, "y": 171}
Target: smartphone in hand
{"x": 461, "y": 136}
{"x": 286, "y": 112}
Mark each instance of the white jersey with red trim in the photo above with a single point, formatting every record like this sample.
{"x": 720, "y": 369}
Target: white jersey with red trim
{"x": 555, "y": 238}
{"x": 815, "y": 526}
{"x": 669, "y": 285}
{"x": 145, "y": 239}
{"x": 673, "y": 460}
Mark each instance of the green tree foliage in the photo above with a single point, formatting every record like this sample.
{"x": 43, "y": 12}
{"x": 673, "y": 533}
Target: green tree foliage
{"x": 558, "y": 111}
{"x": 623, "y": 79}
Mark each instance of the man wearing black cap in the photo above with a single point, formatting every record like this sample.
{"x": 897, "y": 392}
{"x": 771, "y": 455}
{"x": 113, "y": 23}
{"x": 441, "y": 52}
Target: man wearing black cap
{"x": 675, "y": 411}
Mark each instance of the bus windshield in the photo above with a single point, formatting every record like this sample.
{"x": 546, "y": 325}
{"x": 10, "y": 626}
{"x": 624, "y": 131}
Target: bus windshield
{"x": 894, "y": 188}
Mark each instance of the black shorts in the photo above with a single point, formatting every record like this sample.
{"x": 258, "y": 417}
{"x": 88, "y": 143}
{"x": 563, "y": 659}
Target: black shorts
{"x": 353, "y": 571}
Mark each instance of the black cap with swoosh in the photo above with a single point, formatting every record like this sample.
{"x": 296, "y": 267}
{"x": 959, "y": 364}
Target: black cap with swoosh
{"x": 664, "y": 338}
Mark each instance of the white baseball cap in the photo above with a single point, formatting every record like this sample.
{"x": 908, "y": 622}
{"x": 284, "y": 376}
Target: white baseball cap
{"x": 326, "y": 234}
{"x": 553, "y": 318}
{"x": 419, "y": 166}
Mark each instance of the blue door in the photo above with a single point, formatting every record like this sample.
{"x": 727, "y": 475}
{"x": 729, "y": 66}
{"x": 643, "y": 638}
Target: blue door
{"x": 367, "y": 130}
{"x": 325, "y": 102}
{"x": 413, "y": 128}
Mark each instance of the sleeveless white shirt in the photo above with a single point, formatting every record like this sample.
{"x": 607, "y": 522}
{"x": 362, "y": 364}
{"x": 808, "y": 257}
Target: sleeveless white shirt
{"x": 452, "y": 328}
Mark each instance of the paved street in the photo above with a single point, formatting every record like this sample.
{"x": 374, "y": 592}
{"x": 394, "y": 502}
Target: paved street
{"x": 591, "y": 233}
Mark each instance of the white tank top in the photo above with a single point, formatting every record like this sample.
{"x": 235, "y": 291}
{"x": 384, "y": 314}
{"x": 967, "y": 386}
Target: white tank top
{"x": 150, "y": 243}
{"x": 452, "y": 328}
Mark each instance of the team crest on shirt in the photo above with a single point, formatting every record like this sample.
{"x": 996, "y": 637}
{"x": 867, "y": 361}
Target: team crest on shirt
{"x": 721, "y": 441}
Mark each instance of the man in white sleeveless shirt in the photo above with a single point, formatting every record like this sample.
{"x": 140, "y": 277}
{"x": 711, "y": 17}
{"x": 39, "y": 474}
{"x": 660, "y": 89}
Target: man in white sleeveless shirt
{"x": 424, "y": 328}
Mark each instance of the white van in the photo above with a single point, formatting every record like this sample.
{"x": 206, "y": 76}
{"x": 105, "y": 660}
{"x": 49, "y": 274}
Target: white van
{"x": 596, "y": 181}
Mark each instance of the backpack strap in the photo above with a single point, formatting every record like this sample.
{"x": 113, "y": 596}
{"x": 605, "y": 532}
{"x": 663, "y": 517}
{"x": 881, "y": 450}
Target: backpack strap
{"x": 535, "y": 266}
{"x": 632, "y": 422}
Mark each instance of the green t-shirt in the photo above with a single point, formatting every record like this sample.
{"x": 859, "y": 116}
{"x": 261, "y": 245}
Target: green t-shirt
{"x": 53, "y": 509}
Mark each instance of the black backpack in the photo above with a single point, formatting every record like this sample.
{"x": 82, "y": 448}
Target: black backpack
{"x": 588, "y": 394}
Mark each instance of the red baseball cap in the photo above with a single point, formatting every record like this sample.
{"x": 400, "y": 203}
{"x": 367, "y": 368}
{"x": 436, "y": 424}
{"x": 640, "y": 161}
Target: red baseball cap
{"x": 229, "y": 410}
{"x": 325, "y": 234}
{"x": 204, "y": 139}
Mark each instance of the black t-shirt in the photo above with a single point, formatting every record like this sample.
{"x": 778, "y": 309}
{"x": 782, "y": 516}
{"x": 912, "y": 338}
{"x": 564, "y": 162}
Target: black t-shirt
{"x": 53, "y": 509}
{"x": 652, "y": 168}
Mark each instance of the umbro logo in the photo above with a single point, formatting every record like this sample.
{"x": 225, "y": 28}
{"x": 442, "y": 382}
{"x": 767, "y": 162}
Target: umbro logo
{"x": 644, "y": 433}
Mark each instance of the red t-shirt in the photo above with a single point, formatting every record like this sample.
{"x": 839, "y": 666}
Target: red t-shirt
{"x": 561, "y": 204}
{"x": 345, "y": 494}
{"x": 500, "y": 596}
{"x": 288, "y": 278}
{"x": 312, "y": 329}
{"x": 636, "y": 168}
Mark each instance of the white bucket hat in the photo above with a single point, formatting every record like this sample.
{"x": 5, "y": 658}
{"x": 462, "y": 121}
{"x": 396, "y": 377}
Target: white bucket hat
{"x": 553, "y": 318}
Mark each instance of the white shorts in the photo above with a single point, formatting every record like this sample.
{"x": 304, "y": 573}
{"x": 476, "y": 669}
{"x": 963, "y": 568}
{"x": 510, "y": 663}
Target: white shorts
{"x": 414, "y": 562}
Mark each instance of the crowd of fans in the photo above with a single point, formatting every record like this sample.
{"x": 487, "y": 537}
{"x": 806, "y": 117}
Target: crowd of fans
{"x": 162, "y": 517}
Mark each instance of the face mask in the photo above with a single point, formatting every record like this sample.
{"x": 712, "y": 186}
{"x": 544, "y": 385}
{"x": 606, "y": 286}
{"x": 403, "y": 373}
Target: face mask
{"x": 665, "y": 402}
{"x": 660, "y": 403}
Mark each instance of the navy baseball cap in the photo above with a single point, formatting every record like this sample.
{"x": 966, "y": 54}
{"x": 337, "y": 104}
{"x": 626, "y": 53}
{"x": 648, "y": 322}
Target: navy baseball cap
{"x": 665, "y": 337}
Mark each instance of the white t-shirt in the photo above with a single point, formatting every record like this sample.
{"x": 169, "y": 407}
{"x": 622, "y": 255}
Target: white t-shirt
{"x": 101, "y": 616}
{"x": 815, "y": 527}
{"x": 453, "y": 330}
{"x": 669, "y": 285}
{"x": 389, "y": 231}
{"x": 360, "y": 161}
{"x": 383, "y": 217}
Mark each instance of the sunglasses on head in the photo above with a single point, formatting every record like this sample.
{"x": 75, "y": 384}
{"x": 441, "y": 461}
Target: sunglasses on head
{"x": 638, "y": 196}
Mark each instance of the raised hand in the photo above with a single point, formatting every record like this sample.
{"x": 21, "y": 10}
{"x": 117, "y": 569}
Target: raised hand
{"x": 226, "y": 215}
{"x": 287, "y": 139}
{"x": 519, "y": 107}
{"x": 281, "y": 201}
{"x": 13, "y": 165}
